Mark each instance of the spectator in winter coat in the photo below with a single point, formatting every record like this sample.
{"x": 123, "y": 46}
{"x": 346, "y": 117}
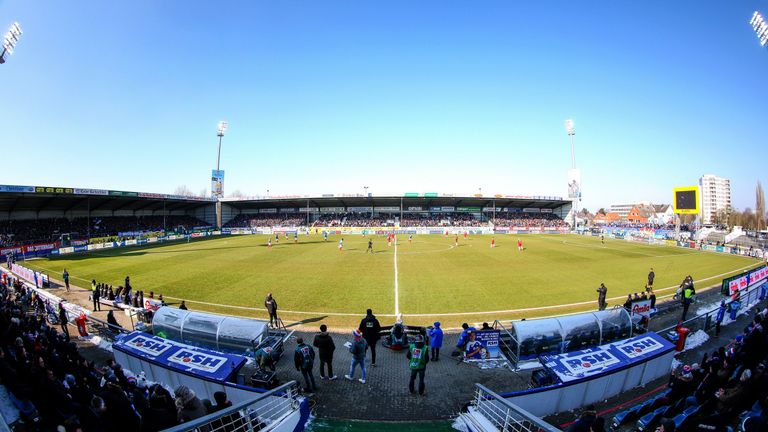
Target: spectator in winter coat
{"x": 585, "y": 420}
{"x": 158, "y": 416}
{"x": 370, "y": 328}
{"x": 188, "y": 406}
{"x": 464, "y": 336}
{"x": 271, "y": 306}
{"x": 435, "y": 340}
{"x": 357, "y": 348}
{"x": 304, "y": 360}
{"x": 325, "y": 348}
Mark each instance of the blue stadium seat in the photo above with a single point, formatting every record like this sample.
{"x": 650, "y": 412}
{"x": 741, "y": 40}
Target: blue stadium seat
{"x": 686, "y": 416}
{"x": 650, "y": 419}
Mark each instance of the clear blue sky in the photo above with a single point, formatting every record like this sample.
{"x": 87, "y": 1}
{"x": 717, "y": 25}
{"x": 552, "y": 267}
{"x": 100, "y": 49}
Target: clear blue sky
{"x": 401, "y": 96}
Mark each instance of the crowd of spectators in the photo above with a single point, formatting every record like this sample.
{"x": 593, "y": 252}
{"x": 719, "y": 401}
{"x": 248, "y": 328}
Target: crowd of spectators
{"x": 530, "y": 220}
{"x": 266, "y": 219}
{"x": 30, "y": 231}
{"x": 352, "y": 220}
{"x": 729, "y": 382}
{"x": 55, "y": 388}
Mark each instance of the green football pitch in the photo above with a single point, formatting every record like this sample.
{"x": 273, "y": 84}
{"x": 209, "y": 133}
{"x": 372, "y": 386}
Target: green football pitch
{"x": 426, "y": 279}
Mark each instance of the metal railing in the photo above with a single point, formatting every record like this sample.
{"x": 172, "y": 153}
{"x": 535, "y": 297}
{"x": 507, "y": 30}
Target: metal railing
{"x": 505, "y": 346}
{"x": 262, "y": 413}
{"x": 707, "y": 320}
{"x": 506, "y": 416}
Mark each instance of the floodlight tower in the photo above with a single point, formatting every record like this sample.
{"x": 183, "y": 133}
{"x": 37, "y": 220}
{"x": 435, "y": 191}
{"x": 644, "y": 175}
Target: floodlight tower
{"x": 571, "y": 132}
{"x": 10, "y": 40}
{"x": 761, "y": 28}
{"x": 574, "y": 177}
{"x": 222, "y": 127}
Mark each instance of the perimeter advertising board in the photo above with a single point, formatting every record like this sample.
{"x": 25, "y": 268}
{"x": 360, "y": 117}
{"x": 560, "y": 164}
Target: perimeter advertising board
{"x": 743, "y": 281}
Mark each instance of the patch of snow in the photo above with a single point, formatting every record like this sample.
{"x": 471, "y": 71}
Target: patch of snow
{"x": 530, "y": 364}
{"x": 459, "y": 425}
{"x": 695, "y": 339}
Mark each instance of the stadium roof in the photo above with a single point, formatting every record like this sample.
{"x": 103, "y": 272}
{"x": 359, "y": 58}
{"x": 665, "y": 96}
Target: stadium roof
{"x": 38, "y": 198}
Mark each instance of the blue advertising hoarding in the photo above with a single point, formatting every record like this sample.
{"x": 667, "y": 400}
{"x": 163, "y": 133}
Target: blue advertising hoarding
{"x": 483, "y": 346}
{"x": 597, "y": 361}
{"x": 182, "y": 357}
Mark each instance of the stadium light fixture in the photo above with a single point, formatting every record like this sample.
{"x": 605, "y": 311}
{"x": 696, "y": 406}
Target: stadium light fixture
{"x": 10, "y": 40}
{"x": 761, "y": 28}
{"x": 222, "y": 127}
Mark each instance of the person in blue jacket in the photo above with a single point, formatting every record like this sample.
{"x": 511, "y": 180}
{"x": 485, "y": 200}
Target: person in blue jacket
{"x": 464, "y": 337}
{"x": 719, "y": 318}
{"x": 435, "y": 340}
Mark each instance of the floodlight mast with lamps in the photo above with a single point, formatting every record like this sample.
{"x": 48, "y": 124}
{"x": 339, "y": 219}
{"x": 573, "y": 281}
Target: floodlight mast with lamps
{"x": 760, "y": 26}
{"x": 10, "y": 40}
{"x": 571, "y": 132}
{"x": 220, "y": 133}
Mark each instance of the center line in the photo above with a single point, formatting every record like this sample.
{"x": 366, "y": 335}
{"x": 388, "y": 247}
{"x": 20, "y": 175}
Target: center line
{"x": 397, "y": 293}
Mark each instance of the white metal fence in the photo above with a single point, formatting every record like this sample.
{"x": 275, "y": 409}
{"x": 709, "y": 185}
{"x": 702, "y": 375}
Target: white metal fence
{"x": 265, "y": 412}
{"x": 504, "y": 415}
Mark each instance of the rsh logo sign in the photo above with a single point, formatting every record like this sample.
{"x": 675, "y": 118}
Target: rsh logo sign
{"x": 639, "y": 347}
{"x": 590, "y": 363}
{"x": 148, "y": 346}
{"x": 197, "y": 360}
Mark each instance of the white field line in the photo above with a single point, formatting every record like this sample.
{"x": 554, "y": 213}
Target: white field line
{"x": 397, "y": 289}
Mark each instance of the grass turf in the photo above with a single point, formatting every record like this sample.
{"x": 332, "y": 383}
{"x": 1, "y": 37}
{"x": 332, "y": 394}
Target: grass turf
{"x": 435, "y": 277}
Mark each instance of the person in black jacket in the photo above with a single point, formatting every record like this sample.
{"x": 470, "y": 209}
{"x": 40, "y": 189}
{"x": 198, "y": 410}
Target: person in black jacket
{"x": 370, "y": 328}
{"x": 325, "y": 348}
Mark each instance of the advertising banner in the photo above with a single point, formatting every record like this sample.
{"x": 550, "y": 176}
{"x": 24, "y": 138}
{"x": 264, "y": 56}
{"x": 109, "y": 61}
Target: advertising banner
{"x": 388, "y": 208}
{"x": 744, "y": 280}
{"x": 17, "y": 189}
{"x": 91, "y": 191}
{"x": 217, "y": 183}
{"x": 58, "y": 190}
{"x": 414, "y": 208}
{"x": 641, "y": 313}
{"x": 152, "y": 304}
{"x": 586, "y": 363}
{"x": 182, "y": 357}
{"x": 447, "y": 209}
{"x": 268, "y": 210}
{"x": 288, "y": 210}
{"x": 467, "y": 209}
{"x": 574, "y": 184}
{"x": 482, "y": 345}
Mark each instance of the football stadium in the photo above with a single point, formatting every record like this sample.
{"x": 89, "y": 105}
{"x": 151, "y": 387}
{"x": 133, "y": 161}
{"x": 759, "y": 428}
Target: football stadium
{"x": 463, "y": 276}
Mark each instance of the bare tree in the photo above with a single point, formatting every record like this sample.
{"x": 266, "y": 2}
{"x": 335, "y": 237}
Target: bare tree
{"x": 748, "y": 219}
{"x": 183, "y": 190}
{"x": 203, "y": 193}
{"x": 237, "y": 194}
{"x": 759, "y": 206}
